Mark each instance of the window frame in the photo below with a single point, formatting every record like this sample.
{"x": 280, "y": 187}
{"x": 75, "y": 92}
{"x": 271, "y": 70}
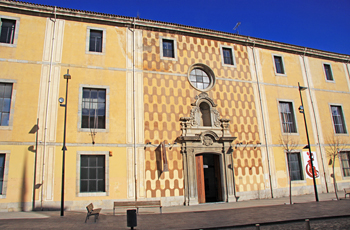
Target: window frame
{"x": 6, "y": 171}
{"x": 161, "y": 38}
{"x": 222, "y": 47}
{"x": 207, "y": 70}
{"x": 88, "y": 33}
{"x": 81, "y": 87}
{"x": 78, "y": 160}
{"x": 342, "y": 116}
{"x": 330, "y": 69}
{"x": 15, "y": 38}
{"x": 341, "y": 163}
{"x": 291, "y": 102}
{"x": 283, "y": 65}
{"x": 301, "y": 165}
{"x": 13, "y": 100}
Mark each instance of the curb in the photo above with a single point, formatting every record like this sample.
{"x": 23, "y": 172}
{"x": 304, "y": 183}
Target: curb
{"x": 277, "y": 222}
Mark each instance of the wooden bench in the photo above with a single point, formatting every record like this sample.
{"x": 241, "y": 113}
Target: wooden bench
{"x": 137, "y": 204}
{"x": 92, "y": 212}
{"x": 347, "y": 191}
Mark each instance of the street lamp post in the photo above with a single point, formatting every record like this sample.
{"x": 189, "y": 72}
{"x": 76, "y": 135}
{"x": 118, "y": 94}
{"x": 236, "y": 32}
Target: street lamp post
{"x": 301, "y": 110}
{"x": 64, "y": 148}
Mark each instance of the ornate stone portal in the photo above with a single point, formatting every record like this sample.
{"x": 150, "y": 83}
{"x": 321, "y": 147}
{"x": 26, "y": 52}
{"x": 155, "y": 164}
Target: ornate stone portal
{"x": 206, "y": 135}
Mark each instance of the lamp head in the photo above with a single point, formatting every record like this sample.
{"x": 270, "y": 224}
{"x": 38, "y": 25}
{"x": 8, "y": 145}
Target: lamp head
{"x": 61, "y": 100}
{"x": 301, "y": 109}
{"x": 67, "y": 75}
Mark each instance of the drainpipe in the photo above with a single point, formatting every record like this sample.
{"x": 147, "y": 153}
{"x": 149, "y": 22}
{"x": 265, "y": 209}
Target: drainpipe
{"x": 347, "y": 66}
{"x": 47, "y": 109}
{"x": 314, "y": 115}
{"x": 134, "y": 104}
{"x": 263, "y": 117}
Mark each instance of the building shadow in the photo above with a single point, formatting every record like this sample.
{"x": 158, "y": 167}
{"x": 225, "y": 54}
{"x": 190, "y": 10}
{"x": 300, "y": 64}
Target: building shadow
{"x": 24, "y": 184}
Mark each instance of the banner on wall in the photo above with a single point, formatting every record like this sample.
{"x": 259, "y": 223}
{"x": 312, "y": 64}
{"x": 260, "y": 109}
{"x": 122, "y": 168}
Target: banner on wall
{"x": 307, "y": 164}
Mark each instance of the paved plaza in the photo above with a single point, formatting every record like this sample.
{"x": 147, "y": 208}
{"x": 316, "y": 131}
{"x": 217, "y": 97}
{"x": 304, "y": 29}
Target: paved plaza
{"x": 269, "y": 213}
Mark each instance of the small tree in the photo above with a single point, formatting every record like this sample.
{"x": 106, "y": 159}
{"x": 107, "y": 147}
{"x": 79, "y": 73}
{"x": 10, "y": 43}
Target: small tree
{"x": 289, "y": 145}
{"x": 334, "y": 146}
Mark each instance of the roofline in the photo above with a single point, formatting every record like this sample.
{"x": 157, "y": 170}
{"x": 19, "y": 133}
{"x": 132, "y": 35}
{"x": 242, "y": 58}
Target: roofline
{"x": 102, "y": 18}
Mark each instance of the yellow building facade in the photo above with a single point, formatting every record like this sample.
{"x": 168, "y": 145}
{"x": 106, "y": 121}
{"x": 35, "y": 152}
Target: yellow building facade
{"x": 160, "y": 111}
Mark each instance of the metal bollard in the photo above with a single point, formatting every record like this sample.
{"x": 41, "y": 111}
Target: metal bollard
{"x": 307, "y": 222}
{"x": 131, "y": 219}
{"x": 257, "y": 226}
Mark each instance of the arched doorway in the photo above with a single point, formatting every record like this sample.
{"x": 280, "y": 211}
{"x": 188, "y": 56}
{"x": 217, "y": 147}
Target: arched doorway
{"x": 209, "y": 178}
{"x": 205, "y": 144}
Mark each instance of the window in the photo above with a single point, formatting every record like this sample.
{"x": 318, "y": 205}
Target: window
{"x": 279, "y": 68}
{"x": 345, "y": 157}
{"x": 168, "y": 48}
{"x": 328, "y": 72}
{"x": 2, "y": 171}
{"x": 92, "y": 173}
{"x": 95, "y": 41}
{"x": 287, "y": 117}
{"x": 294, "y": 166}
{"x": 7, "y": 32}
{"x": 93, "y": 108}
{"x": 205, "y": 111}
{"x": 228, "y": 57}
{"x": 199, "y": 79}
{"x": 5, "y": 103}
{"x": 338, "y": 119}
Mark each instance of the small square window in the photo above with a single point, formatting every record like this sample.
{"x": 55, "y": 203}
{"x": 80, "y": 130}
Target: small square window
{"x": 279, "y": 68}
{"x": 287, "y": 117}
{"x": 328, "y": 72}
{"x": 168, "y": 48}
{"x": 228, "y": 57}
{"x": 7, "y": 32}
{"x": 338, "y": 119}
{"x": 294, "y": 166}
{"x": 96, "y": 39}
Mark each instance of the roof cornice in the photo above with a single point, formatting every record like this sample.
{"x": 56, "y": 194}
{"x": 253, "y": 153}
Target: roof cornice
{"x": 81, "y": 15}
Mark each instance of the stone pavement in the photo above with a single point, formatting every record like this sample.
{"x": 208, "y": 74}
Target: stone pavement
{"x": 203, "y": 216}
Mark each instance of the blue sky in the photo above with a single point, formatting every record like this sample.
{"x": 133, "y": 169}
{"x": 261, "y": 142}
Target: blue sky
{"x": 319, "y": 24}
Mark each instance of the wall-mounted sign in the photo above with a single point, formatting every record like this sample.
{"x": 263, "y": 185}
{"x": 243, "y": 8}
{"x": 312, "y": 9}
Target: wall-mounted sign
{"x": 307, "y": 164}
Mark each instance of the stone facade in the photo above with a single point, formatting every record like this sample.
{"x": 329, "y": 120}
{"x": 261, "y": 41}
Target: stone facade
{"x": 165, "y": 135}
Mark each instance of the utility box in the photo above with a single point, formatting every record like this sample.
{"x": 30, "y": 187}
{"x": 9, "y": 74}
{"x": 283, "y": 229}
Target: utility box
{"x": 131, "y": 219}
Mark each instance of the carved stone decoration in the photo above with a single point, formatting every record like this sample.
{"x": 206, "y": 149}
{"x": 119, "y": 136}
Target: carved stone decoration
{"x": 207, "y": 140}
{"x": 216, "y": 118}
{"x": 195, "y": 117}
{"x": 204, "y": 96}
{"x": 196, "y": 112}
{"x": 205, "y": 133}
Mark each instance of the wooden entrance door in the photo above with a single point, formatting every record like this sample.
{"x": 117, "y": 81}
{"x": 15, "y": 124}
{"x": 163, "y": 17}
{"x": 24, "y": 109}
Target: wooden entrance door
{"x": 200, "y": 179}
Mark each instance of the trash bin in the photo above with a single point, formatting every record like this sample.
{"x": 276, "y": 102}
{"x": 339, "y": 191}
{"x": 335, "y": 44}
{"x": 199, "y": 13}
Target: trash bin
{"x": 131, "y": 218}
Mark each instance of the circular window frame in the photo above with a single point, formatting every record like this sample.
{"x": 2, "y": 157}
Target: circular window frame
{"x": 208, "y": 71}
